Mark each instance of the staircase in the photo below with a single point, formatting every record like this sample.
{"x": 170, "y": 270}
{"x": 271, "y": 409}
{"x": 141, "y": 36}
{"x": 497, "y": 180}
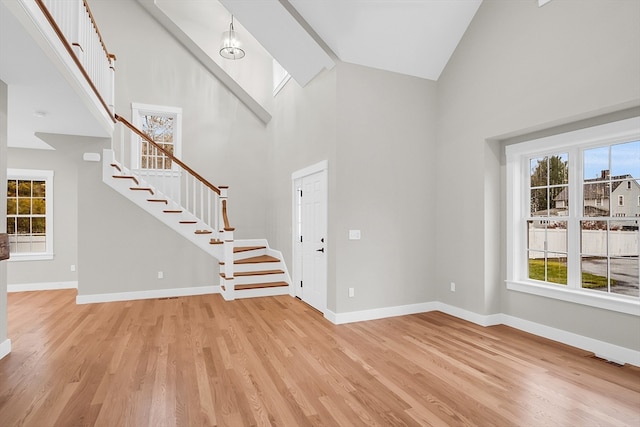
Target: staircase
{"x": 248, "y": 268}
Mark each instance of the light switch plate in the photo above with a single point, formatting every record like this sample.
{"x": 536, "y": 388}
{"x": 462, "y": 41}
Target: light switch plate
{"x": 354, "y": 234}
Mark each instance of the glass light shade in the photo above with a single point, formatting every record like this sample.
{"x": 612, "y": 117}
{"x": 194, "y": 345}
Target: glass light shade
{"x": 230, "y": 48}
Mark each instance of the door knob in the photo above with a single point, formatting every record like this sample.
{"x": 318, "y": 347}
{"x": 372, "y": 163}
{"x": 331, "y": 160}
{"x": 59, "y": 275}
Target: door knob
{"x": 320, "y": 250}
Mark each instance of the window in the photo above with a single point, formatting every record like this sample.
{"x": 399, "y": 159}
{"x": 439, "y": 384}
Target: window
{"x": 30, "y": 214}
{"x": 547, "y": 228}
{"x": 570, "y": 235}
{"x": 163, "y": 126}
{"x": 280, "y": 77}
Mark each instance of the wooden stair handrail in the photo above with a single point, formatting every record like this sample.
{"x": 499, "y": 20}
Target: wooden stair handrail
{"x": 168, "y": 154}
{"x": 69, "y": 48}
{"x": 225, "y": 218}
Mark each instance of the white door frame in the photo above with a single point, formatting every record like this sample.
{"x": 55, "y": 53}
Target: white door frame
{"x": 296, "y": 262}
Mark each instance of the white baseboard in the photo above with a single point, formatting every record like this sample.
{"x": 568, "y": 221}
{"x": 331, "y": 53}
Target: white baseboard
{"x": 378, "y": 313}
{"x": 5, "y": 348}
{"x": 156, "y": 293}
{"x": 605, "y": 350}
{"x": 469, "y": 316}
{"x": 44, "y": 286}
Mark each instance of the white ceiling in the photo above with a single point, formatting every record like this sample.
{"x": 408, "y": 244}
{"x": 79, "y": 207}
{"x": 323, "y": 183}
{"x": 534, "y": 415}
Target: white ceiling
{"x": 40, "y": 100}
{"x": 414, "y": 37}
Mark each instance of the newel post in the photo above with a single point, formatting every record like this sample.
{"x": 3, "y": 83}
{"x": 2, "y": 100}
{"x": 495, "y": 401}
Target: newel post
{"x": 226, "y": 232}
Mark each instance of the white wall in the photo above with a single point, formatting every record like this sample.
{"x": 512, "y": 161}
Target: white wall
{"x": 204, "y": 23}
{"x": 385, "y": 185}
{"x": 377, "y": 131}
{"x": 121, "y": 248}
{"x": 222, "y": 140}
{"x": 520, "y": 68}
{"x": 302, "y": 133}
{"x": 3, "y": 208}
{"x": 115, "y": 246}
{"x": 65, "y": 218}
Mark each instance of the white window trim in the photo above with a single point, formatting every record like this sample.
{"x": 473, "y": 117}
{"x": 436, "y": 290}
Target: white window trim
{"x": 280, "y": 77}
{"x": 47, "y": 176}
{"x": 138, "y": 109}
{"x": 517, "y": 173}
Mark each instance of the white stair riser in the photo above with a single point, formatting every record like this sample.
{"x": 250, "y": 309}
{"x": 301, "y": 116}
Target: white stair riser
{"x": 248, "y": 254}
{"x": 241, "y": 268}
{"x": 265, "y": 278}
{"x": 262, "y": 292}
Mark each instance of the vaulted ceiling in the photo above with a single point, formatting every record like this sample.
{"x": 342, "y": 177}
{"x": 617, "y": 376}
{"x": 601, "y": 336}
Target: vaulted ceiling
{"x": 413, "y": 37}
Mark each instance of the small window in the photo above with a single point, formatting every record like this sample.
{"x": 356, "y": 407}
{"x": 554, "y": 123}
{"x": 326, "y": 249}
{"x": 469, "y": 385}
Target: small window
{"x": 30, "y": 214}
{"x": 163, "y": 126}
{"x": 620, "y": 200}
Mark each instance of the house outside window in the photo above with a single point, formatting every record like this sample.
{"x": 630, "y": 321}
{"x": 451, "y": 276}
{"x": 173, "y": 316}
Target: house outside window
{"x": 30, "y": 214}
{"x": 570, "y": 235}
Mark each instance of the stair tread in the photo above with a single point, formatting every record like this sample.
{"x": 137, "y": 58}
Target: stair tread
{"x": 255, "y": 260}
{"x": 126, "y": 177}
{"x": 247, "y": 248}
{"x": 203, "y": 232}
{"x": 258, "y": 286}
{"x": 172, "y": 211}
{"x": 255, "y": 273}
{"x": 165, "y": 201}
{"x": 188, "y": 222}
{"x": 150, "y": 190}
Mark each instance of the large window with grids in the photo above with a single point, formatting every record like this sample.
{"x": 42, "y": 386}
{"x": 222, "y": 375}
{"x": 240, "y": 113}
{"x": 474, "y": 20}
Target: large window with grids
{"x": 30, "y": 214}
{"x": 571, "y": 231}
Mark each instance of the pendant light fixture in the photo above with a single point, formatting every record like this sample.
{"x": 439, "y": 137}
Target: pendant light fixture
{"x": 230, "y": 44}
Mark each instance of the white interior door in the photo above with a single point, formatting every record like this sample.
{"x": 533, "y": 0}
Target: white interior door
{"x": 310, "y": 250}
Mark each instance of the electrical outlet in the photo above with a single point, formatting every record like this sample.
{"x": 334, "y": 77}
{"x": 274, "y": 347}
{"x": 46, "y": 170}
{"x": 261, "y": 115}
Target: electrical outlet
{"x": 73, "y": 267}
{"x": 354, "y": 234}
{"x": 352, "y": 293}
{"x": 160, "y": 275}
{"x": 453, "y": 287}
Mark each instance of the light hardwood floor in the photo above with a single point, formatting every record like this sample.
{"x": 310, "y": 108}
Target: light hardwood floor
{"x": 200, "y": 361}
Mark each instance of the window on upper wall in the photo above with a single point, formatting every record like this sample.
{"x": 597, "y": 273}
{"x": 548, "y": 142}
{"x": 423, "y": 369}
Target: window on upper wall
{"x": 30, "y": 214}
{"x": 570, "y": 233}
{"x": 163, "y": 126}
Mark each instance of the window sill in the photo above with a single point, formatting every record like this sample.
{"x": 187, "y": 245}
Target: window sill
{"x": 619, "y": 304}
{"x": 31, "y": 257}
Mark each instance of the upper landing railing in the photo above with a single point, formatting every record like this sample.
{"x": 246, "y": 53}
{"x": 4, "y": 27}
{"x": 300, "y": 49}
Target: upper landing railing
{"x": 74, "y": 24}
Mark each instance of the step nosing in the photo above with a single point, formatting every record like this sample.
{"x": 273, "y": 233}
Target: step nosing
{"x": 255, "y": 273}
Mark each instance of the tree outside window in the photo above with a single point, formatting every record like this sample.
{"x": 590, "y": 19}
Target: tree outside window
{"x": 29, "y": 212}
